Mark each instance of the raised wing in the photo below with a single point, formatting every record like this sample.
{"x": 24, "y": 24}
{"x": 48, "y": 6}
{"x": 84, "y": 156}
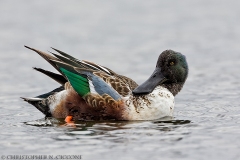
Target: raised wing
{"x": 98, "y": 69}
{"x": 90, "y": 65}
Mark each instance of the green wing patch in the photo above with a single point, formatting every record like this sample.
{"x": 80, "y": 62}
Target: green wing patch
{"x": 78, "y": 82}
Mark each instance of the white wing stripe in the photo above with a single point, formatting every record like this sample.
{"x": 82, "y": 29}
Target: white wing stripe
{"x": 104, "y": 69}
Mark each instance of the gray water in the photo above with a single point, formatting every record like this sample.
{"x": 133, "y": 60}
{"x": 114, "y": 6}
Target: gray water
{"x": 126, "y": 36}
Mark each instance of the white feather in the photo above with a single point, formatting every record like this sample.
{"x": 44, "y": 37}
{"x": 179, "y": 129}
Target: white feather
{"x": 91, "y": 86}
{"x": 104, "y": 69}
{"x": 89, "y": 65}
{"x": 33, "y": 99}
{"x": 158, "y": 104}
{"x": 55, "y": 99}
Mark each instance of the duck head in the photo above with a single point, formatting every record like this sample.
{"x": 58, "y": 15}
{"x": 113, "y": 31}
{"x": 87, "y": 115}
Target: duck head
{"x": 171, "y": 72}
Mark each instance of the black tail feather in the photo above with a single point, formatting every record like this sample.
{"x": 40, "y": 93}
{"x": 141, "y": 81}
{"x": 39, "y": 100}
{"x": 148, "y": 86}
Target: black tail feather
{"x": 57, "y": 77}
{"x": 40, "y": 104}
{"x": 41, "y": 101}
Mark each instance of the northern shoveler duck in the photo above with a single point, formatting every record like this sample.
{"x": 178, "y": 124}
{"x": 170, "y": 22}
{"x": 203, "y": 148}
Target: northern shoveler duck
{"x": 90, "y": 91}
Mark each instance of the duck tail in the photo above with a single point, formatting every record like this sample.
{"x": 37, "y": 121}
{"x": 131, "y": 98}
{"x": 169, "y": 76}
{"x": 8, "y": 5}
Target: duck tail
{"x": 41, "y": 101}
{"x": 40, "y": 104}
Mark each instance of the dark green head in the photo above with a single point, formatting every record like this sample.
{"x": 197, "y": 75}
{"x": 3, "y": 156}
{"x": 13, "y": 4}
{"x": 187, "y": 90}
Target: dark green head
{"x": 173, "y": 66}
{"x": 171, "y": 72}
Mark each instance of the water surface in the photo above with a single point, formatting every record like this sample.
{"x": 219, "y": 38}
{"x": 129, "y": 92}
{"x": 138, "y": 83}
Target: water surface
{"x": 126, "y": 37}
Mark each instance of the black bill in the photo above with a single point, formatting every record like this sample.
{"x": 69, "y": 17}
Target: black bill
{"x": 148, "y": 86}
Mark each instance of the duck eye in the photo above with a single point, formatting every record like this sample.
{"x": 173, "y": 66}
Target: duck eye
{"x": 171, "y": 63}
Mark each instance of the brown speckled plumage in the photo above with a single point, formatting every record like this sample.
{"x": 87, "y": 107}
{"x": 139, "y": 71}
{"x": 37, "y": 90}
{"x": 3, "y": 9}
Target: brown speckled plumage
{"x": 90, "y": 107}
{"x": 121, "y": 85}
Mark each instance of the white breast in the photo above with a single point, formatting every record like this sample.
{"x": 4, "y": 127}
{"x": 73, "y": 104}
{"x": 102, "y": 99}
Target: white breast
{"x": 158, "y": 104}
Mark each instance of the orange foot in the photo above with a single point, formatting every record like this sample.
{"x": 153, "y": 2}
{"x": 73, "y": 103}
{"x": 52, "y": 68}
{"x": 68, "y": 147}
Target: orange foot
{"x": 69, "y": 121}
